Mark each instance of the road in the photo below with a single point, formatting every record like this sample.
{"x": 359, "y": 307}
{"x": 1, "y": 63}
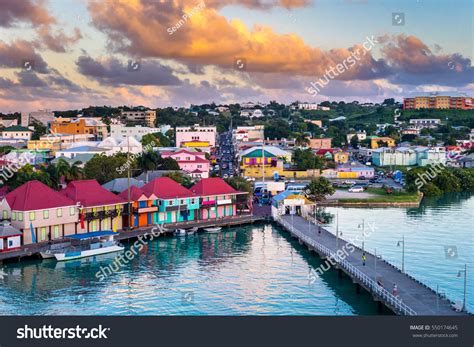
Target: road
{"x": 226, "y": 155}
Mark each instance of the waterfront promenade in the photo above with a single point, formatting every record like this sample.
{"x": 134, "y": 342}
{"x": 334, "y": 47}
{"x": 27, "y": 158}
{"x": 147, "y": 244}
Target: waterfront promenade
{"x": 413, "y": 297}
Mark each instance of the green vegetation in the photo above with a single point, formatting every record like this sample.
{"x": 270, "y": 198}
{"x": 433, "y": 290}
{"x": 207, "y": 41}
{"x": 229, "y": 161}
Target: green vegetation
{"x": 240, "y": 184}
{"x": 180, "y": 178}
{"x": 319, "y": 188}
{"x": 381, "y": 196}
{"x": 305, "y": 159}
{"x": 433, "y": 181}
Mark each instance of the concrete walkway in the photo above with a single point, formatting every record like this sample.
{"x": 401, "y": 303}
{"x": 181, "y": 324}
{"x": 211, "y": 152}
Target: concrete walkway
{"x": 412, "y": 293}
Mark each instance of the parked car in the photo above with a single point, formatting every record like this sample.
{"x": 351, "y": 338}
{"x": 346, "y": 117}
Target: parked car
{"x": 356, "y": 189}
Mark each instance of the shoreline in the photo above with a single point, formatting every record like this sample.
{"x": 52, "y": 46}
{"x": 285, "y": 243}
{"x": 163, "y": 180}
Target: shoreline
{"x": 368, "y": 203}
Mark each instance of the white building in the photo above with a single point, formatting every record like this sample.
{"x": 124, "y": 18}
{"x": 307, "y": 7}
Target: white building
{"x": 17, "y": 132}
{"x": 245, "y": 134}
{"x": 42, "y": 116}
{"x": 361, "y": 136}
{"x": 186, "y": 136}
{"x": 307, "y": 106}
{"x": 425, "y": 123}
{"x": 120, "y": 131}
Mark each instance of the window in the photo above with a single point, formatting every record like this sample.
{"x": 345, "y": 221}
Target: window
{"x": 43, "y": 234}
{"x": 32, "y": 216}
{"x": 13, "y": 215}
{"x": 56, "y": 231}
{"x": 72, "y": 210}
{"x": 45, "y": 214}
{"x": 182, "y": 202}
{"x": 170, "y": 203}
{"x": 20, "y": 216}
{"x": 5, "y": 214}
{"x": 59, "y": 212}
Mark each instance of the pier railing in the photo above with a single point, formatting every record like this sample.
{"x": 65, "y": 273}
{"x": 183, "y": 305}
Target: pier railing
{"x": 372, "y": 285}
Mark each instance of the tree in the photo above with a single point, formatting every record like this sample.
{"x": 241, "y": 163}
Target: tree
{"x": 180, "y": 177}
{"x": 355, "y": 142}
{"x": 148, "y": 161}
{"x": 164, "y": 141}
{"x": 319, "y": 188}
{"x": 40, "y": 130}
{"x": 302, "y": 140}
{"x": 106, "y": 168}
{"x": 240, "y": 184}
{"x": 168, "y": 164}
{"x": 150, "y": 140}
{"x": 306, "y": 159}
{"x": 389, "y": 102}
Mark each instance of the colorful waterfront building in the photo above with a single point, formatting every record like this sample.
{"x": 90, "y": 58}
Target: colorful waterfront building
{"x": 175, "y": 203}
{"x": 144, "y": 206}
{"x": 217, "y": 198}
{"x": 39, "y": 212}
{"x": 99, "y": 209}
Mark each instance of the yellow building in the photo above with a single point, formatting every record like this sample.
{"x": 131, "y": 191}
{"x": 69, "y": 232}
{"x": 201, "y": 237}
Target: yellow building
{"x": 268, "y": 171}
{"x": 341, "y": 157}
{"x": 374, "y": 142}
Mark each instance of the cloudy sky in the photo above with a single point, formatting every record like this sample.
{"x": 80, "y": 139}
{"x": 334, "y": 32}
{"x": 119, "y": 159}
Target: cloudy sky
{"x": 63, "y": 54}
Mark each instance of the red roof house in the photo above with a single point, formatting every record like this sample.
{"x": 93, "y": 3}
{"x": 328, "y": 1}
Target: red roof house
{"x": 136, "y": 194}
{"x": 166, "y": 188}
{"x": 213, "y": 186}
{"x": 34, "y": 195}
{"x": 90, "y": 193}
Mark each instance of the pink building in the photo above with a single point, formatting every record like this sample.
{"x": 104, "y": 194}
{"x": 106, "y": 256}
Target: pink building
{"x": 193, "y": 163}
{"x": 196, "y": 134}
{"x": 217, "y": 198}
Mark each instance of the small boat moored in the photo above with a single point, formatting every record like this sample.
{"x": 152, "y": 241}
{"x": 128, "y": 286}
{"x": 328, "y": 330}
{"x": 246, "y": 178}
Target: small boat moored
{"x": 104, "y": 244}
{"x": 213, "y": 230}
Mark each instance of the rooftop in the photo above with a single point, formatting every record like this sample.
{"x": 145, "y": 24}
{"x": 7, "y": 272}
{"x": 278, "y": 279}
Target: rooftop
{"x": 90, "y": 193}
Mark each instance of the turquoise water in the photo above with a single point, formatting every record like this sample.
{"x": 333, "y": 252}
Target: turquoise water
{"x": 439, "y": 240}
{"x": 251, "y": 270}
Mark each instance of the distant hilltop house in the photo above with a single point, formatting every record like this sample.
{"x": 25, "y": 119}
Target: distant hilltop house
{"x": 44, "y": 117}
{"x": 439, "y": 101}
{"x": 320, "y": 143}
{"x": 145, "y": 117}
{"x": 309, "y": 106}
{"x": 249, "y": 133}
{"x": 251, "y": 113}
{"x": 425, "y": 123}
{"x": 361, "y": 136}
{"x": 318, "y": 123}
{"x": 376, "y": 142}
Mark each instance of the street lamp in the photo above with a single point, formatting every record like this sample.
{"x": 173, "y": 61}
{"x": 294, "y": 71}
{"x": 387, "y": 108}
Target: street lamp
{"x": 363, "y": 231}
{"x": 402, "y": 242}
{"x": 465, "y": 286}
{"x": 337, "y": 230}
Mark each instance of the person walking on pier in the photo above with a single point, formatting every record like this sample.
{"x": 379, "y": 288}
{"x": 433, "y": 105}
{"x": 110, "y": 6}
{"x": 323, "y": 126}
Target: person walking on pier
{"x": 363, "y": 259}
{"x": 395, "y": 290}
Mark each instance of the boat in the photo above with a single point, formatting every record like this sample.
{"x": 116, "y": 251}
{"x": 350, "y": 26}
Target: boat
{"x": 213, "y": 230}
{"x": 105, "y": 243}
{"x": 180, "y": 231}
{"x": 192, "y": 231}
{"x": 54, "y": 248}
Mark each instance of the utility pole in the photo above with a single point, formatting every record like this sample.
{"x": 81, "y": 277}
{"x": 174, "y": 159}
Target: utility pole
{"x": 402, "y": 242}
{"x": 128, "y": 184}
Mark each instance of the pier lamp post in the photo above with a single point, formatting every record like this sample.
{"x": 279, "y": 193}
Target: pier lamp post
{"x": 402, "y": 243}
{"x": 465, "y": 285}
{"x": 337, "y": 230}
{"x": 363, "y": 232}
{"x": 438, "y": 296}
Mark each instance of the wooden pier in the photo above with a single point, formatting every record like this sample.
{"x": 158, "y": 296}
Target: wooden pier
{"x": 412, "y": 297}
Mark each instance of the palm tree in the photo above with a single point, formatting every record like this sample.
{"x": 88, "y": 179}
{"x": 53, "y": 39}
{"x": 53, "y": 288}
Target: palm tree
{"x": 301, "y": 140}
{"x": 75, "y": 171}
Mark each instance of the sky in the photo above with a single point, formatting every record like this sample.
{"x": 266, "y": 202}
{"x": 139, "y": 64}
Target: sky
{"x": 70, "y": 54}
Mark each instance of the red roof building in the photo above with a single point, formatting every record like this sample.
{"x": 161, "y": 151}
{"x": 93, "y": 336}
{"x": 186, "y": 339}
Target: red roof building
{"x": 89, "y": 193}
{"x": 212, "y": 186}
{"x": 166, "y": 188}
{"x": 34, "y": 195}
